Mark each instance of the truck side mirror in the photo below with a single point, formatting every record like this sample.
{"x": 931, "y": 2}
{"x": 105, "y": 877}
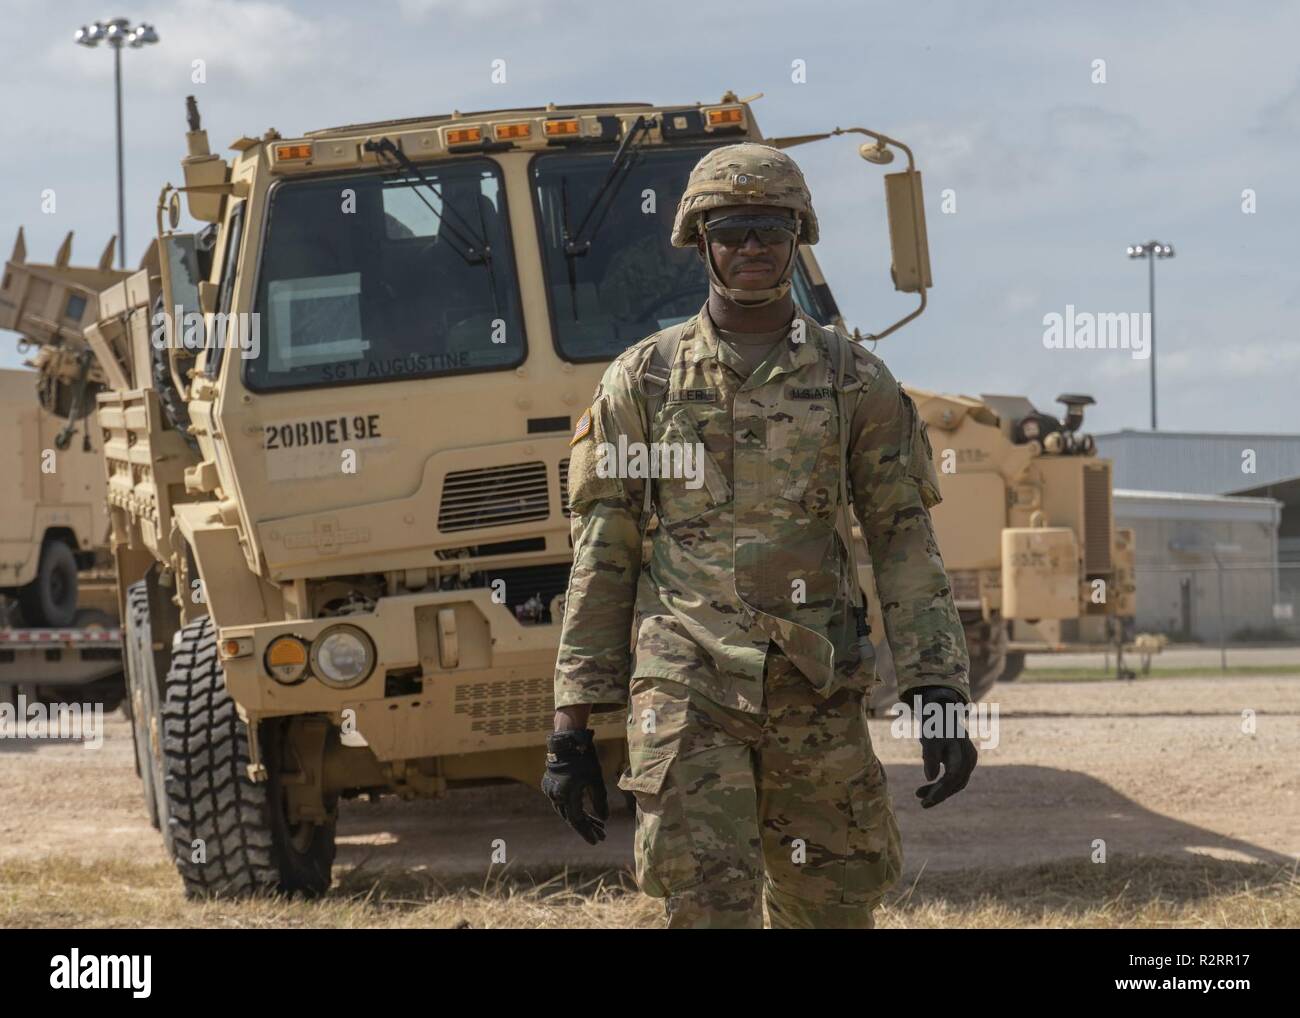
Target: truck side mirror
{"x": 179, "y": 269}
{"x": 905, "y": 209}
{"x": 905, "y": 206}
{"x": 180, "y": 284}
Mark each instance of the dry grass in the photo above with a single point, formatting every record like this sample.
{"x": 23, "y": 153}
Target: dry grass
{"x": 1140, "y": 892}
{"x": 1137, "y": 892}
{"x": 1047, "y": 673}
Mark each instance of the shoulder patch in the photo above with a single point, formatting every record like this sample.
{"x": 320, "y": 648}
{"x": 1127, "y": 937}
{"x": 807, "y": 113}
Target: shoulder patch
{"x": 588, "y": 482}
{"x": 864, "y": 367}
{"x": 861, "y": 366}
{"x": 866, "y": 362}
{"x": 583, "y": 428}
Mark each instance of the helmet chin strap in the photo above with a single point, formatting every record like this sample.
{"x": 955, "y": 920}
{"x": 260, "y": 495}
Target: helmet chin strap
{"x": 751, "y": 298}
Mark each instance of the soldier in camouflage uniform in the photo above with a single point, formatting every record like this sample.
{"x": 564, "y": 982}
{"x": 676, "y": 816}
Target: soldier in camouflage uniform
{"x": 746, "y": 680}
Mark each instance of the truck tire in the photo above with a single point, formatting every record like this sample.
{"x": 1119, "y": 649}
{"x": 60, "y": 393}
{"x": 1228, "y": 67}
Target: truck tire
{"x": 51, "y": 598}
{"x": 142, "y": 690}
{"x": 228, "y": 834}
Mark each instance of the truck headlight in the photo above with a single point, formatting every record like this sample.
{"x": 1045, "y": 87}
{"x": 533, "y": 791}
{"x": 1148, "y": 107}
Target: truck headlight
{"x": 342, "y": 656}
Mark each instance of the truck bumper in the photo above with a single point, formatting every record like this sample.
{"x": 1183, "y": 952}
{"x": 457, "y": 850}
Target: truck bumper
{"x": 486, "y": 679}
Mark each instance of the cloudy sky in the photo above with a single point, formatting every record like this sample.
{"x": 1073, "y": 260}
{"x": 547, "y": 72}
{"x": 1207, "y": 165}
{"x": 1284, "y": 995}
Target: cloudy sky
{"x": 1053, "y": 173}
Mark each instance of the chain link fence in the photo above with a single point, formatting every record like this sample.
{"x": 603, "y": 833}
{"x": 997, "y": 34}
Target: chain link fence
{"x": 1220, "y": 602}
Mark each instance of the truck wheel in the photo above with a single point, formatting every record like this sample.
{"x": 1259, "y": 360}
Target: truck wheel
{"x": 1015, "y": 665}
{"x": 229, "y": 835}
{"x": 51, "y": 598}
{"x": 142, "y": 690}
{"x": 304, "y": 851}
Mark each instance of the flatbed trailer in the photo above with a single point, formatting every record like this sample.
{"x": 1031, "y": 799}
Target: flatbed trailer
{"x": 73, "y": 663}
{"x": 1144, "y": 645}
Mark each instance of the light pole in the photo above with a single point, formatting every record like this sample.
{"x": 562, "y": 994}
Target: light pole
{"x": 1152, "y": 250}
{"x": 118, "y": 32}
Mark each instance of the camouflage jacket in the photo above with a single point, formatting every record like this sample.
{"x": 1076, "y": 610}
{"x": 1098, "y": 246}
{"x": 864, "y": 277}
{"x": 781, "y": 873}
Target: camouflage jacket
{"x": 752, "y": 554}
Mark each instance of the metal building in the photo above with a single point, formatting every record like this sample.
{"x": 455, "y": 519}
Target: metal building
{"x": 1218, "y": 530}
{"x": 1207, "y": 565}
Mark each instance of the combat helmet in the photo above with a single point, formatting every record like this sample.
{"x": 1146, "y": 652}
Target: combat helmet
{"x": 745, "y": 174}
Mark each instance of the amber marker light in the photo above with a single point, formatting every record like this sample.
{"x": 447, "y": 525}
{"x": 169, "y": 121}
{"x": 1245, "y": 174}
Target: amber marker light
{"x": 561, "y": 128}
{"x": 464, "y": 135}
{"x": 286, "y": 152}
{"x": 723, "y": 118}
{"x": 518, "y": 131}
{"x": 286, "y": 660}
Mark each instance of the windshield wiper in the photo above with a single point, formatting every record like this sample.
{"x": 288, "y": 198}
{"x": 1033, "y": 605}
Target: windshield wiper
{"x": 574, "y": 244}
{"x": 476, "y": 249}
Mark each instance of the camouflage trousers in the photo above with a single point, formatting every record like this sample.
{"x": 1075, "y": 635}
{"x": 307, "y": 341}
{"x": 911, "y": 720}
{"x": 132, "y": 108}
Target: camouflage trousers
{"x": 788, "y": 807}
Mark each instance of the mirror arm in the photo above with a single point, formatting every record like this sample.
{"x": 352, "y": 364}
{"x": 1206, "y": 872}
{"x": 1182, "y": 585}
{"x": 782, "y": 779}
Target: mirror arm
{"x": 161, "y": 210}
{"x": 883, "y": 140}
{"x": 171, "y": 328}
{"x": 872, "y": 337}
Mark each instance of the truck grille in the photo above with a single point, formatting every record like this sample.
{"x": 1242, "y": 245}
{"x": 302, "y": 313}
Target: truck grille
{"x": 494, "y": 497}
{"x": 564, "y": 486}
{"x": 508, "y": 707}
{"x": 516, "y": 707}
{"x": 1097, "y": 515}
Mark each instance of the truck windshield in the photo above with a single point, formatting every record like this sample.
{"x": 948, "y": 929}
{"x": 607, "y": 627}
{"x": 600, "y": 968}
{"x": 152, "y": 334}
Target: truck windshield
{"x": 631, "y": 282}
{"x": 363, "y": 279}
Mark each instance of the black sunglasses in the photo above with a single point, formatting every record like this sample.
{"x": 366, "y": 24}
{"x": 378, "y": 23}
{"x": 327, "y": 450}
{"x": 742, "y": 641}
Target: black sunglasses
{"x": 732, "y": 231}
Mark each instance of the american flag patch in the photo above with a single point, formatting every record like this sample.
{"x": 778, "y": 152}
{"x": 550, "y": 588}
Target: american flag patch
{"x": 583, "y": 428}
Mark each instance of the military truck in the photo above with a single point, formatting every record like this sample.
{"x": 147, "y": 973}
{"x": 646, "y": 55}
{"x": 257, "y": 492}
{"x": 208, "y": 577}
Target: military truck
{"x": 58, "y": 619}
{"x": 335, "y": 423}
{"x": 52, "y": 517}
{"x": 1027, "y": 530}
{"x": 58, "y": 603}
{"x": 1028, "y": 536}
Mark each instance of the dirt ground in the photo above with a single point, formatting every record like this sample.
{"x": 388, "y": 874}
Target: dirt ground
{"x": 1155, "y": 768}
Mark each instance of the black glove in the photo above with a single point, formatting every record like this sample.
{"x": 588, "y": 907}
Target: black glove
{"x": 573, "y": 768}
{"x": 952, "y": 749}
